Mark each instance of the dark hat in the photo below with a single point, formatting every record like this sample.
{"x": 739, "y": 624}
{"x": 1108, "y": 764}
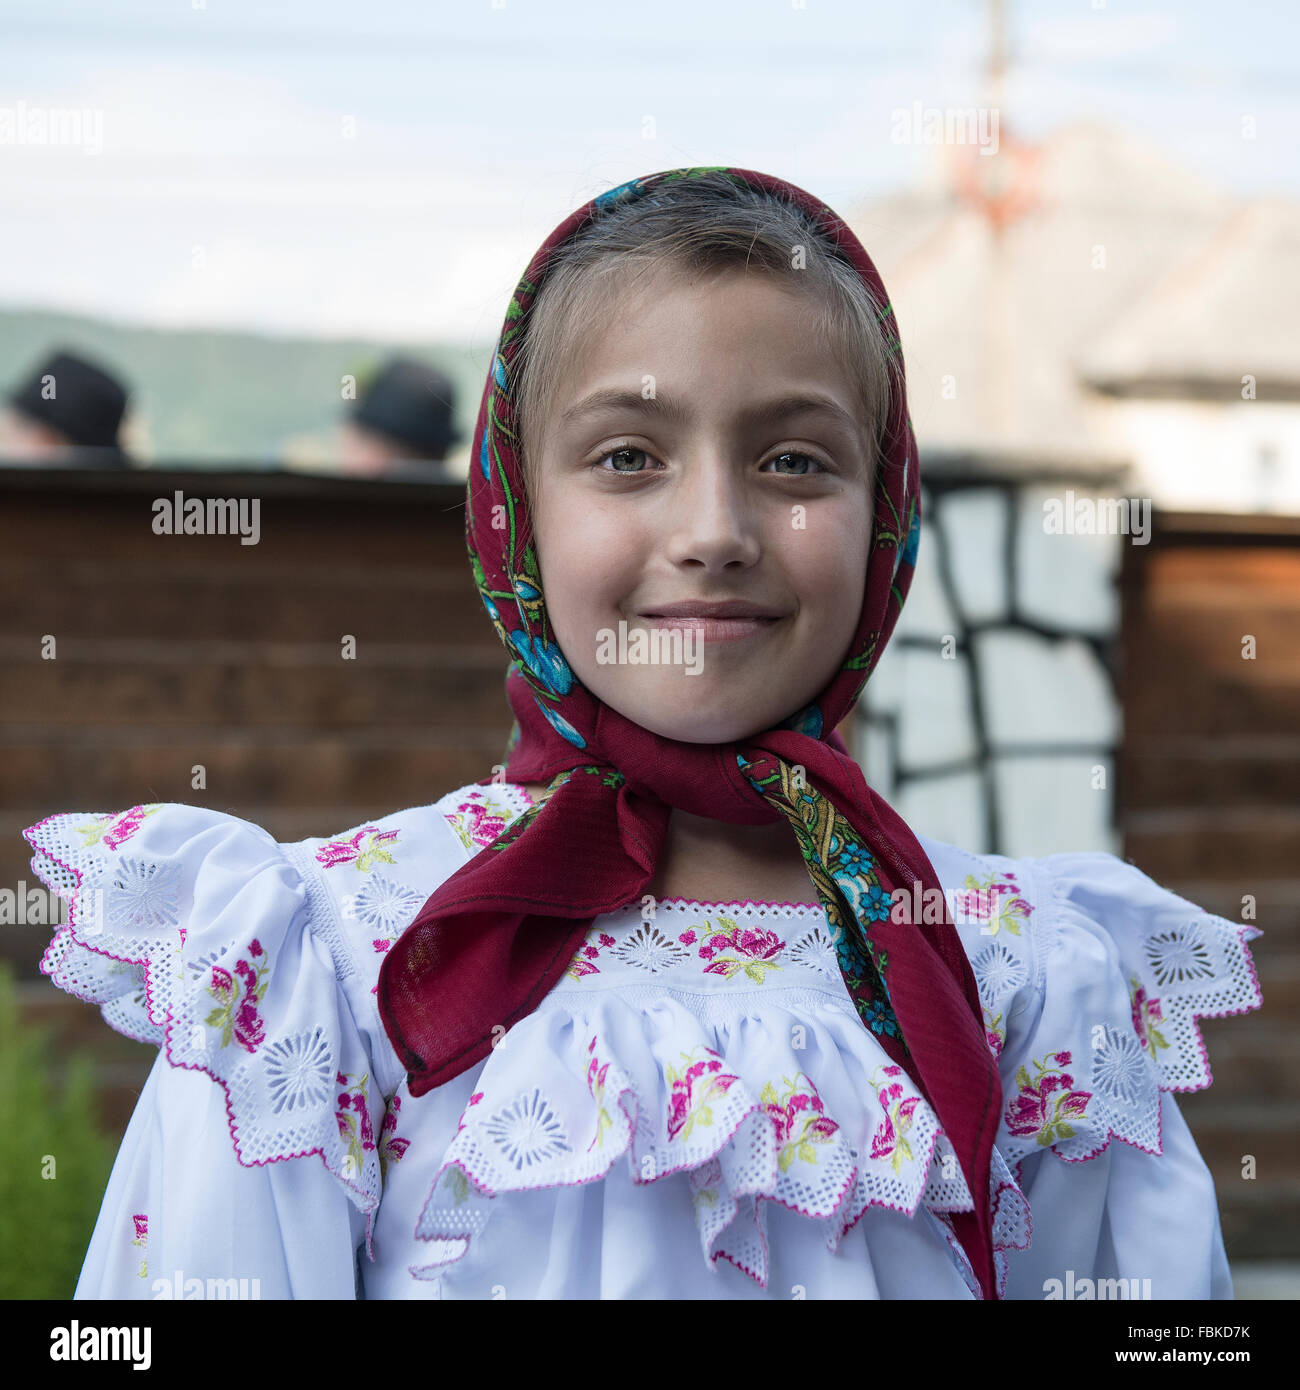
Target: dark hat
{"x": 411, "y": 402}
{"x": 86, "y": 405}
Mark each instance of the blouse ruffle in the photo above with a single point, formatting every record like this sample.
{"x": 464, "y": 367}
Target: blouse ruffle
{"x": 750, "y": 1097}
{"x": 192, "y": 930}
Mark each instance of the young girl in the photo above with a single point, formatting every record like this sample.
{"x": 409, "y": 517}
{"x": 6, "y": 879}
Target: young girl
{"x": 671, "y": 1004}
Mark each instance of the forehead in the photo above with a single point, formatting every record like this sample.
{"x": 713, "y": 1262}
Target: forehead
{"x": 728, "y": 330}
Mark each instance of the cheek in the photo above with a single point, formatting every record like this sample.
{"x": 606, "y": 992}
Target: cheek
{"x": 828, "y": 565}
{"x": 590, "y": 564}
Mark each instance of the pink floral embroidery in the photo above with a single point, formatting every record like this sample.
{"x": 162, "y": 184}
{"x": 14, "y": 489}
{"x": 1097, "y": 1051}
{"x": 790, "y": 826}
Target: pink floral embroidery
{"x": 236, "y": 1016}
{"x": 391, "y": 1148}
{"x": 473, "y": 1100}
{"x": 890, "y": 1139}
{"x": 754, "y": 947}
{"x": 693, "y": 1092}
{"x": 1146, "y": 1014}
{"x": 115, "y": 831}
{"x": 353, "y": 1116}
{"x": 596, "y": 1071}
{"x": 800, "y": 1119}
{"x": 583, "y": 962}
{"x": 485, "y": 823}
{"x": 995, "y": 901}
{"x": 141, "y": 1222}
{"x": 1028, "y": 1113}
{"x": 381, "y": 947}
{"x": 338, "y": 852}
{"x": 994, "y": 1035}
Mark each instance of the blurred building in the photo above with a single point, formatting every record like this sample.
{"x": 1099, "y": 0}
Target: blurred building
{"x": 1087, "y": 297}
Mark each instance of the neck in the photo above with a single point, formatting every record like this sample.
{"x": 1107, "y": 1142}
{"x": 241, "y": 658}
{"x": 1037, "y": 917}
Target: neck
{"x": 706, "y": 836}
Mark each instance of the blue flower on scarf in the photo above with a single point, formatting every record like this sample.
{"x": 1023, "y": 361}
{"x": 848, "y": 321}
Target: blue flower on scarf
{"x": 876, "y": 905}
{"x": 807, "y": 721}
{"x": 615, "y": 195}
{"x": 491, "y": 608}
{"x": 853, "y": 964}
{"x": 856, "y": 860}
{"x": 499, "y": 371}
{"x": 879, "y": 1018}
{"x": 913, "y": 540}
{"x": 544, "y": 660}
{"x": 483, "y": 458}
{"x": 561, "y": 725}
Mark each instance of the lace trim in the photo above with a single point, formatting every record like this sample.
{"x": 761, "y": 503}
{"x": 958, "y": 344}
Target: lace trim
{"x": 153, "y": 992}
{"x": 784, "y": 910}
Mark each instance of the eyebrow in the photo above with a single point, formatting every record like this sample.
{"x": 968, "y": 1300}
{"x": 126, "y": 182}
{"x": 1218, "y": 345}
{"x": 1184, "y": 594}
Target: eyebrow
{"x": 665, "y": 407}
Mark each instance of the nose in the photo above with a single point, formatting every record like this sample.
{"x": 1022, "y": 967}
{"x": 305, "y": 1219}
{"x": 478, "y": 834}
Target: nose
{"x": 715, "y": 519}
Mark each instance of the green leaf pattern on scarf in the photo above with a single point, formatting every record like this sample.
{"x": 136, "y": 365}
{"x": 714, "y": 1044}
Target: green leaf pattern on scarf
{"x": 843, "y": 872}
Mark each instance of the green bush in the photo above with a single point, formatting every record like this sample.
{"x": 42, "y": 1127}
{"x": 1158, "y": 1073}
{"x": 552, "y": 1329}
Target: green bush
{"x": 45, "y": 1222}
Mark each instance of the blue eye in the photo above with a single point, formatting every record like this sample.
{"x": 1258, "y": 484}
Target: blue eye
{"x": 795, "y": 454}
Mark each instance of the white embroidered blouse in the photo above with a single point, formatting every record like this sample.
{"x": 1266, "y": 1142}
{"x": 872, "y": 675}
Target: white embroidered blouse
{"x": 695, "y": 1111}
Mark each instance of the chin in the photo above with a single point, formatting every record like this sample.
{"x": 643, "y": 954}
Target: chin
{"x": 721, "y": 728}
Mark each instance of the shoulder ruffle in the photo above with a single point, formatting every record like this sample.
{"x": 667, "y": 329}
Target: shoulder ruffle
{"x": 373, "y": 879}
{"x": 628, "y": 1076}
{"x": 1122, "y": 969}
{"x": 193, "y": 930}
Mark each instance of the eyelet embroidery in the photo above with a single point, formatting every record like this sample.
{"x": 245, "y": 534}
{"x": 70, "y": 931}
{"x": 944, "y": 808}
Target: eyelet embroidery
{"x": 999, "y": 971}
{"x": 1179, "y": 956}
{"x": 298, "y": 1071}
{"x": 143, "y": 895}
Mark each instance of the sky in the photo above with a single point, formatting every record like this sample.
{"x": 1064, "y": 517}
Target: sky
{"x": 330, "y": 168}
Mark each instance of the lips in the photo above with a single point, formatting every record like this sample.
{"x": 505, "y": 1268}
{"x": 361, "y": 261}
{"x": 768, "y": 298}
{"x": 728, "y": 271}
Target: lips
{"x": 699, "y": 608}
{"x": 707, "y": 629}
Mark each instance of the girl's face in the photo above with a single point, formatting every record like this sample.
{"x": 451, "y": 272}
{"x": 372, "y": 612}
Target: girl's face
{"x": 675, "y": 467}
